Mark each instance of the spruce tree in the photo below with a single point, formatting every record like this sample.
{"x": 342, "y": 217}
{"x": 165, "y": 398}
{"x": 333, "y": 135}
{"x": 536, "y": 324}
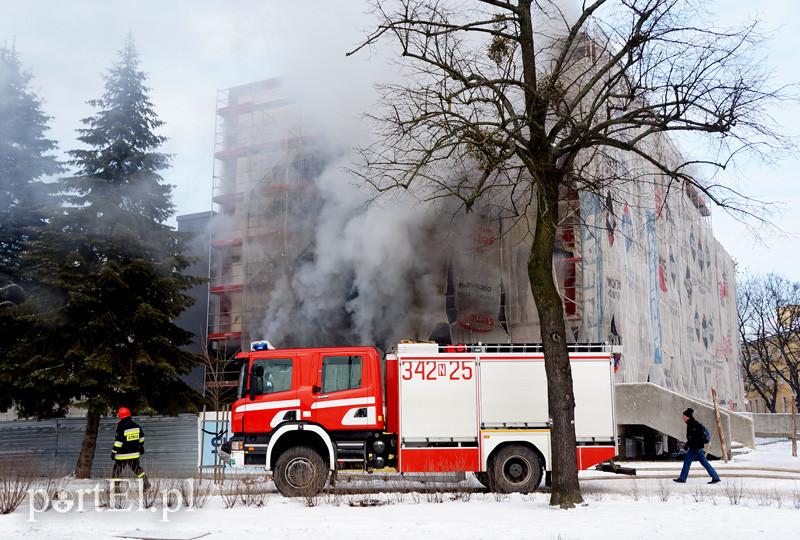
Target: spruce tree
{"x": 107, "y": 338}
{"x": 25, "y": 201}
{"x": 25, "y": 158}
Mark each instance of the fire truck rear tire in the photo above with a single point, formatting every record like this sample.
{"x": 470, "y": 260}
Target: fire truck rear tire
{"x": 300, "y": 472}
{"x": 515, "y": 469}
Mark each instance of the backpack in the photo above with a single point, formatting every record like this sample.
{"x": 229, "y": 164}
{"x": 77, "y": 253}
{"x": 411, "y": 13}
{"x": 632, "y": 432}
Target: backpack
{"x": 706, "y": 434}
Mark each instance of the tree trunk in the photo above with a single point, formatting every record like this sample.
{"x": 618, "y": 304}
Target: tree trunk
{"x": 565, "y": 491}
{"x": 83, "y": 469}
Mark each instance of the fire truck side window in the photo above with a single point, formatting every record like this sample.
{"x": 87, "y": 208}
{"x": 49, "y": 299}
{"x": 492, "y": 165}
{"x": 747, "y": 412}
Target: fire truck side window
{"x": 340, "y": 373}
{"x": 277, "y": 375}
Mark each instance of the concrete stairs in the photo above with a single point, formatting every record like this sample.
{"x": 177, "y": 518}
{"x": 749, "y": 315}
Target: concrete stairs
{"x": 738, "y": 449}
{"x": 658, "y": 408}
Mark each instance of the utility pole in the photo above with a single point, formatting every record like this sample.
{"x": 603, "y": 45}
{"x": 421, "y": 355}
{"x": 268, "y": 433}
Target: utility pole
{"x": 722, "y": 443}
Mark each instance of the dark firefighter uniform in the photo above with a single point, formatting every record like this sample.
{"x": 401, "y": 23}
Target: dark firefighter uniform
{"x": 128, "y": 447}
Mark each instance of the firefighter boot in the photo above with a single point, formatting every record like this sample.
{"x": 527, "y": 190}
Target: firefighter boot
{"x": 145, "y": 482}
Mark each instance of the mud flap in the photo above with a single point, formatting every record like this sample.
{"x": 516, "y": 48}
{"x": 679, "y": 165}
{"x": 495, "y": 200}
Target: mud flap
{"x": 610, "y": 466}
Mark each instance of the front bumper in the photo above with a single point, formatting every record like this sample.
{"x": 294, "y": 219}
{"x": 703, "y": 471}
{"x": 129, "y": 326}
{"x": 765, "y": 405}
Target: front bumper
{"x": 233, "y": 459}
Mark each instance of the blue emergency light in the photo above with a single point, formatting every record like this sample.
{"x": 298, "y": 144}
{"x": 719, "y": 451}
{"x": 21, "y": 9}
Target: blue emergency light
{"x": 262, "y": 345}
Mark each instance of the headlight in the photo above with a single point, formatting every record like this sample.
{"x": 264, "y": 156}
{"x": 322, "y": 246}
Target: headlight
{"x": 237, "y": 445}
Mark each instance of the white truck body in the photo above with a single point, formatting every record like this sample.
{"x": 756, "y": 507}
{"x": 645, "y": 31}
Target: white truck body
{"x": 457, "y": 406}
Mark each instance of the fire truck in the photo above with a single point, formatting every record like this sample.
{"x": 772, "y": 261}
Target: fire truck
{"x": 305, "y": 414}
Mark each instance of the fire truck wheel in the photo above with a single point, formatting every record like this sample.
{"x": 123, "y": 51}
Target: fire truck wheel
{"x": 300, "y": 472}
{"x": 515, "y": 469}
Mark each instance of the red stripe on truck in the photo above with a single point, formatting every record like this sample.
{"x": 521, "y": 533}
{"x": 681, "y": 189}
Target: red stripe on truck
{"x": 440, "y": 460}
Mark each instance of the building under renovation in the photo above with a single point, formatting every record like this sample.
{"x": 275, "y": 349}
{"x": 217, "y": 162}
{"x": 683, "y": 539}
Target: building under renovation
{"x": 266, "y": 161}
{"x": 642, "y": 270}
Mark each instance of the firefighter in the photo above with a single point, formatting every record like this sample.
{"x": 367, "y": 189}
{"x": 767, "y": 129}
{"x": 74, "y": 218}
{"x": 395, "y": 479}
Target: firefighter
{"x": 128, "y": 447}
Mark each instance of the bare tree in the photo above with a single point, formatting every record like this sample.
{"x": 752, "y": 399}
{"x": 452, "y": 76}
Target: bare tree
{"x": 218, "y": 384}
{"x": 759, "y": 359}
{"x": 219, "y": 391}
{"x": 785, "y": 328}
{"x": 511, "y": 104}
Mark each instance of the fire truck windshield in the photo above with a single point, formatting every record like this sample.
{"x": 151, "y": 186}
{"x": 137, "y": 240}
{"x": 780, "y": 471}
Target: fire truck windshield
{"x": 275, "y": 373}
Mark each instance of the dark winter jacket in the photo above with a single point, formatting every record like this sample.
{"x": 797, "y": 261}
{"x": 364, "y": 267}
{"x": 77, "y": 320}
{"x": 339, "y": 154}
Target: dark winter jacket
{"x": 129, "y": 440}
{"x": 695, "y": 437}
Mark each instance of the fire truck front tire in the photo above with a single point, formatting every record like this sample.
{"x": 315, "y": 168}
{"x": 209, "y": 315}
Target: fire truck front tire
{"x": 515, "y": 469}
{"x": 300, "y": 472}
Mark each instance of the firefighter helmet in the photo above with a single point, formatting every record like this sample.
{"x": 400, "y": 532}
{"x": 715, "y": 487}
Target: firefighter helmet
{"x": 123, "y": 412}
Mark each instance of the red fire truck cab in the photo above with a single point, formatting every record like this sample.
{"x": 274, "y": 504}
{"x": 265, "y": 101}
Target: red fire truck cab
{"x": 304, "y": 414}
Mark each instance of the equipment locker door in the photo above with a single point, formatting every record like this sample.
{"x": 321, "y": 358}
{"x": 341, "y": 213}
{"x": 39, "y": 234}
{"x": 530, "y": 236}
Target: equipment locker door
{"x": 439, "y": 414}
{"x": 438, "y": 399}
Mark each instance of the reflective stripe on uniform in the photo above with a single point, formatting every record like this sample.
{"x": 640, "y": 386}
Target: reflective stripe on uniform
{"x": 132, "y": 455}
{"x": 131, "y": 434}
{"x": 117, "y": 444}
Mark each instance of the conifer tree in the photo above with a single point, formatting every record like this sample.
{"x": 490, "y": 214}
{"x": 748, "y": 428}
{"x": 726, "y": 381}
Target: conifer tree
{"x": 107, "y": 338}
{"x": 25, "y": 159}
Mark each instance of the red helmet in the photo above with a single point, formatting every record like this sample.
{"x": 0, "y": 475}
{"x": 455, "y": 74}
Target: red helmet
{"x": 123, "y": 412}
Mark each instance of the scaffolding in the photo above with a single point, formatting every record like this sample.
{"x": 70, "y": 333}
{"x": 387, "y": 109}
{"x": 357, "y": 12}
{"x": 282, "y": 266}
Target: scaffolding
{"x": 264, "y": 167}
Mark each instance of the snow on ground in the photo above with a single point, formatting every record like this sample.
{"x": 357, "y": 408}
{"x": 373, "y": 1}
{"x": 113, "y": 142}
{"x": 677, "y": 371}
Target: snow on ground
{"x": 482, "y": 517}
{"x": 616, "y": 507}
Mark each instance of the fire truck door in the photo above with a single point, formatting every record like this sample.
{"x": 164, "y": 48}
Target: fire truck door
{"x": 344, "y": 396}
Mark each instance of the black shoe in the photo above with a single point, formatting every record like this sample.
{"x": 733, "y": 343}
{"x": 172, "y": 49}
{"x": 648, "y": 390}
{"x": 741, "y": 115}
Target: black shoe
{"x": 715, "y": 481}
{"x": 678, "y": 480}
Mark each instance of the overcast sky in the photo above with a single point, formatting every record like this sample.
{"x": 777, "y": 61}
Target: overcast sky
{"x": 192, "y": 48}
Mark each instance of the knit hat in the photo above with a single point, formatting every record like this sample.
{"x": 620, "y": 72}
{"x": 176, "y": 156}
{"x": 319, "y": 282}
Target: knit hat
{"x": 689, "y": 412}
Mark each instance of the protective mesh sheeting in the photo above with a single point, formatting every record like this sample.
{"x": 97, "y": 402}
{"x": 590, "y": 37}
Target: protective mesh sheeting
{"x": 640, "y": 267}
{"x": 656, "y": 281}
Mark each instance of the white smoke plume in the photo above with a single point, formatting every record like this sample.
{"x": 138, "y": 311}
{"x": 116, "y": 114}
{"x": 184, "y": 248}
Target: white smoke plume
{"x": 378, "y": 269}
{"x": 374, "y": 276}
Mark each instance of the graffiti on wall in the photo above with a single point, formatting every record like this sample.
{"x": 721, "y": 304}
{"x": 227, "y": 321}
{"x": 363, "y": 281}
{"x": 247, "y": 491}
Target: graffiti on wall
{"x": 663, "y": 291}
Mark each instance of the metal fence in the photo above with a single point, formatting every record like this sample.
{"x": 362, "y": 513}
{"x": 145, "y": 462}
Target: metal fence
{"x": 52, "y": 446}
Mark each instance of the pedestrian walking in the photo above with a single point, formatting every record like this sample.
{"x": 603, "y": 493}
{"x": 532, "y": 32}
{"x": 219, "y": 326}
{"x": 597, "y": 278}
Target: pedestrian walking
{"x": 128, "y": 448}
{"x": 697, "y": 437}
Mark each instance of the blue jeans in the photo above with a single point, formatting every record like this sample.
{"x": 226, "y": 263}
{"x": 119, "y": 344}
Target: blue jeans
{"x": 699, "y": 455}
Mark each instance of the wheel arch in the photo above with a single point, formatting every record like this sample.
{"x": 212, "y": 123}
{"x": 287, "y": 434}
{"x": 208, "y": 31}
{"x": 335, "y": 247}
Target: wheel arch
{"x": 292, "y": 435}
{"x": 506, "y": 444}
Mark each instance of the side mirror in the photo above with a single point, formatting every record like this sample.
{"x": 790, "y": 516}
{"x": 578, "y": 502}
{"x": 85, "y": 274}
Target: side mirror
{"x": 256, "y": 381}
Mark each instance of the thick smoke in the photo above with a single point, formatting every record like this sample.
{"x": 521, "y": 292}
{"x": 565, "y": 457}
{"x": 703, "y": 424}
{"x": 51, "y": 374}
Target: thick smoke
{"x": 374, "y": 274}
{"x": 377, "y": 270}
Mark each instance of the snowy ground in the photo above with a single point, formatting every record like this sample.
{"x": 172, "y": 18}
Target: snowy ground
{"x": 650, "y": 506}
